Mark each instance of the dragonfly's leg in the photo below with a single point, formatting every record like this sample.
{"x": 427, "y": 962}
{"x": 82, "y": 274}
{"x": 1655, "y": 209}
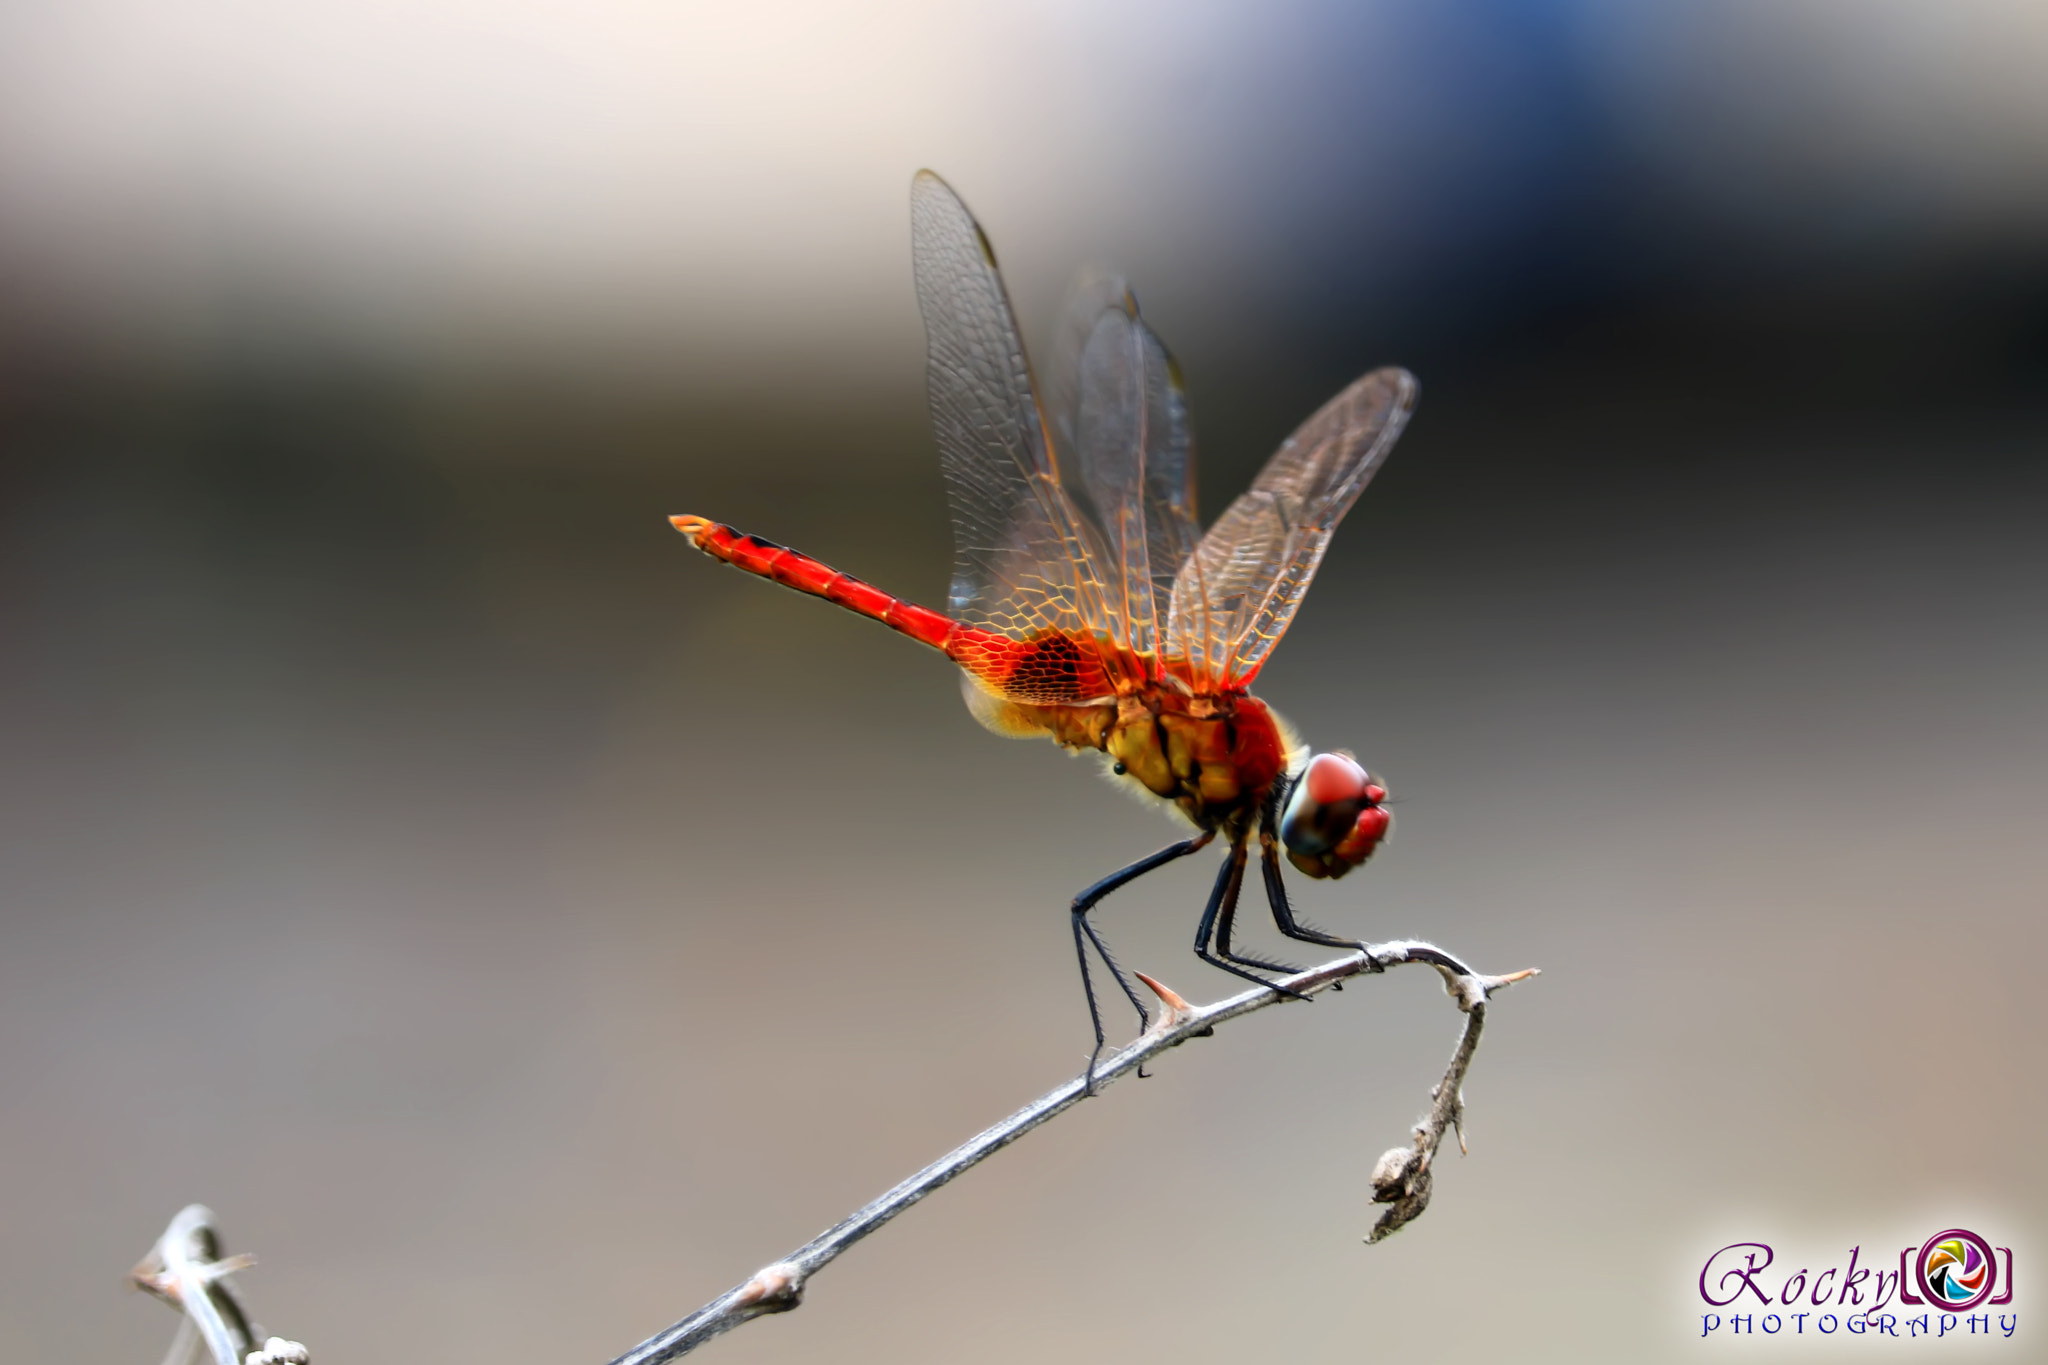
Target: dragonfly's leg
{"x": 1226, "y": 917}
{"x": 1085, "y": 933}
{"x": 1223, "y": 904}
{"x": 1283, "y": 913}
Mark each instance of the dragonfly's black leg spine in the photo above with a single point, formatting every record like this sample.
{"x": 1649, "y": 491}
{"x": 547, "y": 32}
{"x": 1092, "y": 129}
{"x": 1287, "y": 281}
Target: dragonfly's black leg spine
{"x": 1222, "y": 903}
{"x": 1226, "y": 917}
{"x": 1283, "y": 913}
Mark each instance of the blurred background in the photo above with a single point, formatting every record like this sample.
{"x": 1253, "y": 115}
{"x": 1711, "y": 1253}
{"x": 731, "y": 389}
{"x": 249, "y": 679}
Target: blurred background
{"x": 519, "y": 928}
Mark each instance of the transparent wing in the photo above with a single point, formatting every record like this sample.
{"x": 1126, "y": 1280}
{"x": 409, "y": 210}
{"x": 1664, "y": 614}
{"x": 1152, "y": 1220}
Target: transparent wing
{"x": 1026, "y": 562}
{"x": 1236, "y": 596}
{"x": 1119, "y": 410}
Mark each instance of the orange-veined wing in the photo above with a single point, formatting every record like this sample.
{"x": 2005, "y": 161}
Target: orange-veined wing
{"x": 1026, "y": 567}
{"x": 1120, "y": 416}
{"x": 1236, "y": 597}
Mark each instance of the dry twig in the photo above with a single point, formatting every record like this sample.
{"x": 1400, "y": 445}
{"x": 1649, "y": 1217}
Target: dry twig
{"x": 1402, "y": 1177}
{"x": 186, "y": 1270}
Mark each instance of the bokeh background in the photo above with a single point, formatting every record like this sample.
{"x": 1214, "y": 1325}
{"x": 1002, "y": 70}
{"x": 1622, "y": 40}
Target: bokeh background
{"x": 519, "y": 928}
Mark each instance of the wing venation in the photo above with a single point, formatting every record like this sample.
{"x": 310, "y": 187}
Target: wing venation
{"x": 1120, "y": 416}
{"x": 1237, "y": 595}
{"x": 1026, "y": 561}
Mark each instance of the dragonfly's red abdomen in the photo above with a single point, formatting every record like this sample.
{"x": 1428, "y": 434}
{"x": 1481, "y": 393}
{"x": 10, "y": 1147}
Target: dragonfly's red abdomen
{"x": 794, "y": 569}
{"x": 1050, "y": 668}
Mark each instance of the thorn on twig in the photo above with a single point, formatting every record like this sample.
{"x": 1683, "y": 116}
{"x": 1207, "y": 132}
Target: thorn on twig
{"x": 1174, "y": 1012}
{"x": 774, "y": 1289}
{"x": 222, "y": 1269}
{"x": 1471, "y": 990}
{"x": 156, "y": 1282}
{"x": 168, "y": 1286}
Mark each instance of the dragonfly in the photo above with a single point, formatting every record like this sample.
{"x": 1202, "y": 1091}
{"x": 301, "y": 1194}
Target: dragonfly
{"x": 1088, "y": 606}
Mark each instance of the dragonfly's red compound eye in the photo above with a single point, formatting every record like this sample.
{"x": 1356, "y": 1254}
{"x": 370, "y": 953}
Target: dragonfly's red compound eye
{"x": 1321, "y": 813}
{"x": 1366, "y": 833}
{"x": 1333, "y": 820}
{"x": 1332, "y": 778}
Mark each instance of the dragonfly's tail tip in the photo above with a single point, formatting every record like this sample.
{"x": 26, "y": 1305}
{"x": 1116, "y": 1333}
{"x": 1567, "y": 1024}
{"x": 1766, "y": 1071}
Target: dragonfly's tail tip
{"x": 690, "y": 526}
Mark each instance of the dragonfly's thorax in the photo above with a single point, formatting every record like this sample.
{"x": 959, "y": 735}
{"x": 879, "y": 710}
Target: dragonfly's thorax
{"x": 1217, "y": 758}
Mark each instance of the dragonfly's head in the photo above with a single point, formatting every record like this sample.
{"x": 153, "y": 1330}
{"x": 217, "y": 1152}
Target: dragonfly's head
{"x": 1336, "y": 816}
